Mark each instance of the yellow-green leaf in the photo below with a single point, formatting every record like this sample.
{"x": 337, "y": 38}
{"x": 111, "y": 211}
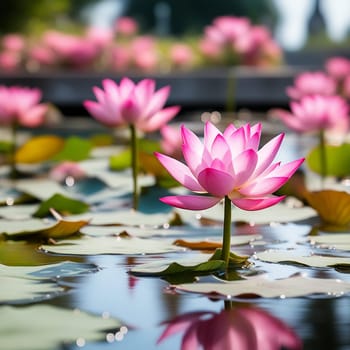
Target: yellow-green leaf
{"x": 39, "y": 149}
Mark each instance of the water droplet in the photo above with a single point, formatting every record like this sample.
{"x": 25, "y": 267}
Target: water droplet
{"x": 10, "y": 201}
{"x": 110, "y": 337}
{"x": 166, "y": 226}
{"x": 80, "y": 342}
{"x": 105, "y": 315}
{"x": 69, "y": 181}
{"x": 119, "y": 336}
{"x": 123, "y": 329}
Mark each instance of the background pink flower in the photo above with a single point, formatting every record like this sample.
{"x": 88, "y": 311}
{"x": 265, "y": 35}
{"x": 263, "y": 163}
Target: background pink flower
{"x": 128, "y": 103}
{"x": 312, "y": 83}
{"x": 316, "y": 113}
{"x": 20, "y": 105}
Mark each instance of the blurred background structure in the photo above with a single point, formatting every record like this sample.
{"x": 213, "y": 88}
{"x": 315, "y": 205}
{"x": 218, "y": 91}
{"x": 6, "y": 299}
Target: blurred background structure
{"x": 304, "y": 33}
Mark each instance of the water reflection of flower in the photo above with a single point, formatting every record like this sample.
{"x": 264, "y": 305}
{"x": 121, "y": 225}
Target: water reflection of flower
{"x": 240, "y": 328}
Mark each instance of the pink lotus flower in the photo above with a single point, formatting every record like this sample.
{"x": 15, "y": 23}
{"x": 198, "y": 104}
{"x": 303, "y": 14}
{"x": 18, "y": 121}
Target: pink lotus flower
{"x": 241, "y": 328}
{"x": 13, "y": 42}
{"x": 138, "y": 106}
{"x": 131, "y": 104}
{"x": 126, "y": 26}
{"x": 312, "y": 83}
{"x": 316, "y": 113}
{"x": 9, "y": 61}
{"x": 228, "y": 165}
{"x": 338, "y": 67}
{"x": 181, "y": 55}
{"x": 20, "y": 105}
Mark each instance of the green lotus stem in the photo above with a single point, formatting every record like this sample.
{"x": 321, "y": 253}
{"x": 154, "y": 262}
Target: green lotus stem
{"x": 13, "y": 168}
{"x": 226, "y": 242}
{"x": 323, "y": 156}
{"x": 134, "y": 165}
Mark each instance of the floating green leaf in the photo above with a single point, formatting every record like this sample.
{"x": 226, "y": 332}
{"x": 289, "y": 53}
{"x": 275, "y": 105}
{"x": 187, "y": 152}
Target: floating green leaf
{"x": 75, "y": 149}
{"x": 337, "y": 160}
{"x": 120, "y": 161}
{"x": 61, "y": 204}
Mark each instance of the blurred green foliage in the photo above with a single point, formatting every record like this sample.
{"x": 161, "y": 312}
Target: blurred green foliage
{"x": 33, "y": 16}
{"x": 190, "y": 17}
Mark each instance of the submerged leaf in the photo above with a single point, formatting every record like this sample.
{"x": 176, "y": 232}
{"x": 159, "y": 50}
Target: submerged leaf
{"x": 332, "y": 206}
{"x": 61, "y": 204}
{"x": 39, "y": 149}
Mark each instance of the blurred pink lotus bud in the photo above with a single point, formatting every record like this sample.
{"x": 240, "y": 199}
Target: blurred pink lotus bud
{"x": 181, "y": 55}
{"x": 9, "y": 61}
{"x": 144, "y": 53}
{"x": 315, "y": 113}
{"x": 13, "y": 42}
{"x": 312, "y": 83}
{"x": 101, "y": 37}
{"x": 338, "y": 67}
{"x": 20, "y": 105}
{"x": 43, "y": 55}
{"x": 126, "y": 26}
{"x": 66, "y": 169}
{"x": 120, "y": 58}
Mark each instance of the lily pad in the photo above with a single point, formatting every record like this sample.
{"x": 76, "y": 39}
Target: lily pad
{"x": 337, "y": 158}
{"x": 63, "y": 205}
{"x": 339, "y": 241}
{"x": 46, "y": 228}
{"x": 111, "y": 245}
{"x": 19, "y": 290}
{"x": 52, "y": 327}
{"x": 311, "y": 260}
{"x": 124, "y": 217}
{"x": 294, "y": 286}
{"x": 41, "y": 189}
{"x": 39, "y": 149}
{"x": 75, "y": 149}
{"x": 24, "y": 284}
{"x": 332, "y": 206}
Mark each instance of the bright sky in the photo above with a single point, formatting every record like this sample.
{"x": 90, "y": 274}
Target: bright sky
{"x": 294, "y": 14}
